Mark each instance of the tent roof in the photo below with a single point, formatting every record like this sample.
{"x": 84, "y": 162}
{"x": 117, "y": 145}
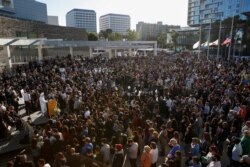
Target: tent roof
{"x": 6, "y": 41}
{"x": 19, "y": 41}
{"x": 26, "y": 42}
{"x": 60, "y": 43}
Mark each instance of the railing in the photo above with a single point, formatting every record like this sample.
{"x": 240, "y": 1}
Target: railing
{"x": 241, "y": 58}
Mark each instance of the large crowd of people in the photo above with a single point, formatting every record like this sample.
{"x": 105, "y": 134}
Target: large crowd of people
{"x": 136, "y": 111}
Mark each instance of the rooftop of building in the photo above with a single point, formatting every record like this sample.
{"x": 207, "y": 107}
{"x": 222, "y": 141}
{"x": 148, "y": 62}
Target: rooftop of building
{"x": 113, "y": 14}
{"x": 80, "y": 10}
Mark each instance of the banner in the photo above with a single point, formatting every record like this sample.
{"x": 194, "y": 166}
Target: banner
{"x": 226, "y": 42}
{"x": 196, "y": 45}
{"x": 215, "y": 43}
{"x": 238, "y": 36}
{"x": 205, "y": 44}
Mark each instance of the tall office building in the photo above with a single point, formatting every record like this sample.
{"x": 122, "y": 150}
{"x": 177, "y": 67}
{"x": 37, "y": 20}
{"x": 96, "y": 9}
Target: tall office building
{"x": 24, "y": 9}
{"x": 116, "y": 22}
{"x": 82, "y": 18}
{"x": 149, "y": 31}
{"x": 206, "y": 11}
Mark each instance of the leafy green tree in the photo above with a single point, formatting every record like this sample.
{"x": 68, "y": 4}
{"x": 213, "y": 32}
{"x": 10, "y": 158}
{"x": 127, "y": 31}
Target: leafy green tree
{"x": 132, "y": 35}
{"x": 161, "y": 39}
{"x": 109, "y": 33}
{"x": 92, "y": 36}
{"x": 115, "y": 36}
{"x": 105, "y": 33}
{"x": 174, "y": 36}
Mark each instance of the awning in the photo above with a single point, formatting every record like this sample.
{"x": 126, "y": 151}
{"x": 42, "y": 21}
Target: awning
{"x": 7, "y": 41}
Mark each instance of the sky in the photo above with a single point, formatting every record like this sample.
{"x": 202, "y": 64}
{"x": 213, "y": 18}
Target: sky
{"x": 171, "y": 12}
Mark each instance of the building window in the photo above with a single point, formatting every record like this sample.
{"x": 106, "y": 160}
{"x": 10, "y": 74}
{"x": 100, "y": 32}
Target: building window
{"x": 6, "y": 3}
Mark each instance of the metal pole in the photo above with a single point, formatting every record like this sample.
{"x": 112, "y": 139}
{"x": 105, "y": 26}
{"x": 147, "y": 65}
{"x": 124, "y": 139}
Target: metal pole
{"x": 234, "y": 48}
{"x": 208, "y": 49}
{"x": 199, "y": 44}
{"x": 240, "y": 49}
{"x": 231, "y": 35}
{"x": 218, "y": 48}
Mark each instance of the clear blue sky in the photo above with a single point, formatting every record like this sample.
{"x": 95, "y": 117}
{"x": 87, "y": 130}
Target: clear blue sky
{"x": 172, "y": 12}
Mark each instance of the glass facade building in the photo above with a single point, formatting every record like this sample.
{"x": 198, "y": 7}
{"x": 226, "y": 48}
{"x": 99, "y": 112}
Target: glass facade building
{"x": 82, "y": 18}
{"x": 24, "y": 9}
{"x": 206, "y": 11}
{"x": 116, "y": 22}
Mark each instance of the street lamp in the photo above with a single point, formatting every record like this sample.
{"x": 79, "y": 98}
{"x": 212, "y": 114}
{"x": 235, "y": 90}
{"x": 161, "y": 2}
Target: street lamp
{"x": 218, "y": 47}
{"x": 231, "y": 34}
{"x": 208, "y": 49}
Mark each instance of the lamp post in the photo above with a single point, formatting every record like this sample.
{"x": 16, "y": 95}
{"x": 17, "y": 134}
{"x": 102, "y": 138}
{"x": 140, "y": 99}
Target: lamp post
{"x": 218, "y": 47}
{"x": 230, "y": 44}
{"x": 209, "y": 33}
{"x": 199, "y": 44}
{"x": 231, "y": 35}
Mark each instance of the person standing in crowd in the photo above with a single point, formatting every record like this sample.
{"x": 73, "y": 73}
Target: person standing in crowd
{"x": 27, "y": 101}
{"x": 215, "y": 162}
{"x": 223, "y": 132}
{"x": 118, "y": 158}
{"x": 132, "y": 152}
{"x": 87, "y": 145}
{"x": 245, "y": 142}
{"x": 189, "y": 134}
{"x": 42, "y": 163}
{"x": 174, "y": 147}
{"x": 163, "y": 140}
{"x": 236, "y": 153}
{"x": 195, "y": 147}
{"x": 154, "y": 154}
{"x": 43, "y": 104}
{"x": 105, "y": 151}
{"x": 74, "y": 159}
{"x": 146, "y": 157}
{"x": 246, "y": 127}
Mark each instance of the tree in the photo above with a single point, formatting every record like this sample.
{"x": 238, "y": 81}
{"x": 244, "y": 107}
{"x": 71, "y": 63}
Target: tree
{"x": 161, "y": 39}
{"x": 109, "y": 33}
{"x": 174, "y": 36}
{"x": 115, "y": 36}
{"x": 105, "y": 33}
{"x": 132, "y": 35}
{"x": 92, "y": 36}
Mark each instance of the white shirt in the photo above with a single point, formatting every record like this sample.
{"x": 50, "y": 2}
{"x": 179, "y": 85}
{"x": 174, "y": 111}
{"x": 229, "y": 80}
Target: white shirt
{"x": 154, "y": 155}
{"x": 2, "y": 107}
{"x": 105, "y": 150}
{"x": 133, "y": 150}
{"x": 87, "y": 114}
{"x": 214, "y": 164}
{"x": 170, "y": 104}
{"x": 26, "y": 96}
{"x": 237, "y": 152}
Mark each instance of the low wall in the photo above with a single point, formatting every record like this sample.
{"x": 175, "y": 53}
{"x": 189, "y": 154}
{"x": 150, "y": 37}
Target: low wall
{"x": 10, "y": 28}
